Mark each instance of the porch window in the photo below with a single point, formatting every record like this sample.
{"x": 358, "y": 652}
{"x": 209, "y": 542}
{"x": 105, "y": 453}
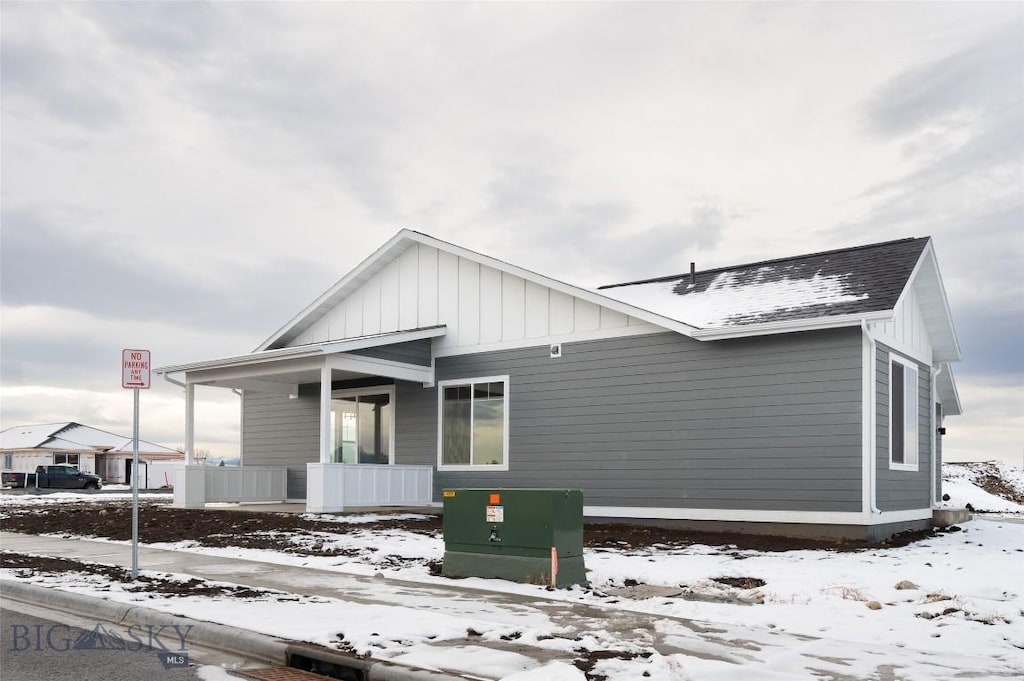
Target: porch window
{"x": 473, "y": 417}
{"x": 362, "y": 426}
{"x": 903, "y": 415}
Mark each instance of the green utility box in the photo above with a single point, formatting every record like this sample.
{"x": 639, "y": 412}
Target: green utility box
{"x": 523, "y": 535}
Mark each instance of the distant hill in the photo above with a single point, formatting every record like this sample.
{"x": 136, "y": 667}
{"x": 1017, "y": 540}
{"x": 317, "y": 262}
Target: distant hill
{"x": 988, "y": 486}
{"x": 215, "y": 461}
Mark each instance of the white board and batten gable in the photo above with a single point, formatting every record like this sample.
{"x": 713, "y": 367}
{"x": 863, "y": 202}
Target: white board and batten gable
{"x": 921, "y": 325}
{"x": 416, "y": 281}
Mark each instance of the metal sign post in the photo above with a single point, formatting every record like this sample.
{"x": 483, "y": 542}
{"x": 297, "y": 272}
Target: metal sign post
{"x": 135, "y": 372}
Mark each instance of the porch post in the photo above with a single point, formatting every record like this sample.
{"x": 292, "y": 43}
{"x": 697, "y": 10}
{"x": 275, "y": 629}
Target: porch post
{"x": 190, "y": 422}
{"x": 325, "y": 413}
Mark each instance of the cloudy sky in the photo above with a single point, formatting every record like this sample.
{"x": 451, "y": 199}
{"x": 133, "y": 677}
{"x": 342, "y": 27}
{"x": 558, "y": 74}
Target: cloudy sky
{"x": 185, "y": 177}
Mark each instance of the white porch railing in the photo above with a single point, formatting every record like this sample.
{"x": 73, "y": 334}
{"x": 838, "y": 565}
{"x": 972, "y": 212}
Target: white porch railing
{"x": 197, "y": 485}
{"x": 333, "y": 487}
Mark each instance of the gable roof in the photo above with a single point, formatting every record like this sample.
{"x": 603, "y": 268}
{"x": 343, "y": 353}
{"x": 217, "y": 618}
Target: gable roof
{"x": 73, "y": 436}
{"x": 827, "y": 289}
{"x": 848, "y": 281}
{"x": 398, "y": 244}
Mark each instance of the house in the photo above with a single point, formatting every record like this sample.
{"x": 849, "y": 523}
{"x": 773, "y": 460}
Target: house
{"x": 89, "y": 449}
{"x": 802, "y": 395}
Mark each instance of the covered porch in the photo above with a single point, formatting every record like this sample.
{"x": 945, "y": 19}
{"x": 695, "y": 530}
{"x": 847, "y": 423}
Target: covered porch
{"x": 318, "y": 424}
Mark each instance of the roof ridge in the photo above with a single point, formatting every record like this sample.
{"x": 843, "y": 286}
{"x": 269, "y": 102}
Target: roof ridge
{"x": 849, "y": 249}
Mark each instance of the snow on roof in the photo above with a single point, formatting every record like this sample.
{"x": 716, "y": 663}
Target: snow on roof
{"x": 847, "y": 281}
{"x": 27, "y": 437}
{"x": 72, "y": 436}
{"x": 726, "y": 302}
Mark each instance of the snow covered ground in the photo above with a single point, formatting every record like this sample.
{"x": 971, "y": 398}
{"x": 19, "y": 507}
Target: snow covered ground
{"x": 962, "y": 482}
{"x": 937, "y": 609}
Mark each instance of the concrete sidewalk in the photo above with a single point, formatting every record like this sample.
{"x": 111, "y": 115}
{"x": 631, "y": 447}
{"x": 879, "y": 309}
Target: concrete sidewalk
{"x": 751, "y": 650}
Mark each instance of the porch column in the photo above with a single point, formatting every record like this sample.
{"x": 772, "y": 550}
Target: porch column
{"x": 190, "y": 422}
{"x": 325, "y": 413}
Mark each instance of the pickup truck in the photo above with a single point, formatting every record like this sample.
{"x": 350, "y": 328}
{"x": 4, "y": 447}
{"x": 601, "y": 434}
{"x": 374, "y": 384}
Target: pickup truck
{"x": 66, "y": 477}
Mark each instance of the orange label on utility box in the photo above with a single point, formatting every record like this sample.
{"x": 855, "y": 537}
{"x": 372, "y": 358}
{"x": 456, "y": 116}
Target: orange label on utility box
{"x": 495, "y": 499}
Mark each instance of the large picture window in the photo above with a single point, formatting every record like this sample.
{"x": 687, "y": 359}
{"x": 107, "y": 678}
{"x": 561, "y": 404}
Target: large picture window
{"x": 473, "y": 423}
{"x": 903, "y": 415}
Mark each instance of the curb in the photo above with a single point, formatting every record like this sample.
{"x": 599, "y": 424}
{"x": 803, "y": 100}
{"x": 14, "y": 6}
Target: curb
{"x": 221, "y": 637}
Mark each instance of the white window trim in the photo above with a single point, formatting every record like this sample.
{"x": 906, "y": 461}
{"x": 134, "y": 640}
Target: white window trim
{"x": 376, "y": 390}
{"x": 441, "y": 466}
{"x": 915, "y": 466}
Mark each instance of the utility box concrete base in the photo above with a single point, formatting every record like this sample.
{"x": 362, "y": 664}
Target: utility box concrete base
{"x": 523, "y": 535}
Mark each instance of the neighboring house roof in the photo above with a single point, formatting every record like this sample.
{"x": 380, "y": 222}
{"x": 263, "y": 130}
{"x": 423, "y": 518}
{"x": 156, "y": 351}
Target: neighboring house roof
{"x": 848, "y": 281}
{"x": 73, "y": 436}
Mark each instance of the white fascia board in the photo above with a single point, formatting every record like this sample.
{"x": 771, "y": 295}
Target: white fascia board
{"x": 389, "y": 338}
{"x": 381, "y": 367}
{"x": 355, "y": 276}
{"x": 253, "y": 370}
{"x": 928, "y": 256}
{"x": 946, "y": 309}
{"x": 314, "y": 350}
{"x": 951, "y": 393}
{"x": 913, "y": 275}
{"x": 790, "y": 326}
{"x": 241, "y": 360}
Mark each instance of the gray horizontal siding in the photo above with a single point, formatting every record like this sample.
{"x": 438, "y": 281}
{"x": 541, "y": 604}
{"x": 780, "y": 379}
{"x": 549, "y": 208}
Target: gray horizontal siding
{"x": 771, "y": 423}
{"x": 411, "y": 352}
{"x": 902, "y": 490}
{"x": 278, "y": 431}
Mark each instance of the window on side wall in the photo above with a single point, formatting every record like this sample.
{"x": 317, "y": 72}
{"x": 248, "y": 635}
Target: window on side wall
{"x": 473, "y": 424}
{"x": 903, "y": 414}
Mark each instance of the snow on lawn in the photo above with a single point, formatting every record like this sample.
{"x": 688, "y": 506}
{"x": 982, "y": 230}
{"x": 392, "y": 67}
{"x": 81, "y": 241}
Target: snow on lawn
{"x": 961, "y": 604}
{"x": 966, "y": 592}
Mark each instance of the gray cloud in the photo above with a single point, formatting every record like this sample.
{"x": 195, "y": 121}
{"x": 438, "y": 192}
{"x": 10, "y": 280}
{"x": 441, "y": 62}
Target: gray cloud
{"x": 960, "y": 119}
{"x": 179, "y": 31}
{"x": 986, "y": 74}
{"x": 43, "y": 263}
{"x": 588, "y": 241}
{"x": 35, "y": 67}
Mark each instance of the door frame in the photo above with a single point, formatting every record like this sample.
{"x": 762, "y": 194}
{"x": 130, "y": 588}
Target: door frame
{"x": 388, "y": 390}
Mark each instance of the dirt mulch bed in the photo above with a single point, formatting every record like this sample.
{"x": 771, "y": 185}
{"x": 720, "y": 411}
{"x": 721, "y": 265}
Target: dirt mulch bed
{"x": 215, "y": 528}
{"x": 25, "y": 565}
{"x": 278, "y": 531}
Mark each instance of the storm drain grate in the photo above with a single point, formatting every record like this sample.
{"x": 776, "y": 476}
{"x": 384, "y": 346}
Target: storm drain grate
{"x": 278, "y": 674}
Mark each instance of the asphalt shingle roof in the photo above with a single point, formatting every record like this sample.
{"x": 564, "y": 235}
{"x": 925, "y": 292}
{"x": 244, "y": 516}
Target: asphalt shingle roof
{"x": 840, "y": 282}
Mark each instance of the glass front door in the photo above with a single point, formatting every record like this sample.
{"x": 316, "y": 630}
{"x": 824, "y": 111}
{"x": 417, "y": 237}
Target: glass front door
{"x": 361, "y": 428}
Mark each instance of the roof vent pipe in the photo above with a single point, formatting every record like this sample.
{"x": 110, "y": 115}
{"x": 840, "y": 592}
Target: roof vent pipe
{"x": 693, "y": 273}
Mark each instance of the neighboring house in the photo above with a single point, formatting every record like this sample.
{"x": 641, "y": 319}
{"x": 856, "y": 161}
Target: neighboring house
{"x": 800, "y": 395}
{"x": 89, "y": 449}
